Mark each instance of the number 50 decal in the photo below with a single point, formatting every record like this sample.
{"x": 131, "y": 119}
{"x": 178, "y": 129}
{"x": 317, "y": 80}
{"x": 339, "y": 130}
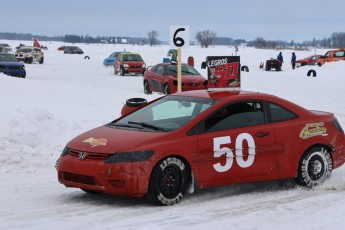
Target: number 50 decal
{"x": 218, "y": 152}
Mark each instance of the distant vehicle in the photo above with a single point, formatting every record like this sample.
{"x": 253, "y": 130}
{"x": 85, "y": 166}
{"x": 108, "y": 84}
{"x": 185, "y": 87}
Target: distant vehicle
{"x": 73, "y": 50}
{"x": 199, "y": 139}
{"x": 273, "y": 64}
{"x": 127, "y": 63}
{"x": 61, "y": 48}
{"x": 311, "y": 60}
{"x": 331, "y": 56}
{"x": 163, "y": 78}
{"x": 9, "y": 65}
{"x": 4, "y": 47}
{"x": 29, "y": 54}
{"x": 109, "y": 61}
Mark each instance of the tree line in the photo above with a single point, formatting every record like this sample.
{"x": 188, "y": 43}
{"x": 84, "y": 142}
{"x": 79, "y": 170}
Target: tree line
{"x": 203, "y": 38}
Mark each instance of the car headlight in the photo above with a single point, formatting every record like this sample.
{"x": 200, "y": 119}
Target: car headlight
{"x": 143, "y": 66}
{"x": 134, "y": 156}
{"x": 126, "y": 65}
{"x": 65, "y": 152}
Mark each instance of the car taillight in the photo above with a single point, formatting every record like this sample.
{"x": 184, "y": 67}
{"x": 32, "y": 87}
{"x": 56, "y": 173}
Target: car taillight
{"x": 337, "y": 125}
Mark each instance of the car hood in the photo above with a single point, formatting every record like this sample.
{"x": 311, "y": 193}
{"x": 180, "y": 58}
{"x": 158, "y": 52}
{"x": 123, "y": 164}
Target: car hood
{"x": 109, "y": 140}
{"x": 192, "y": 78}
{"x": 11, "y": 64}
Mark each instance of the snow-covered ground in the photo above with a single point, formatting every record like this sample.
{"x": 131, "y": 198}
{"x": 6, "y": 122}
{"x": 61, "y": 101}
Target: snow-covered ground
{"x": 68, "y": 95}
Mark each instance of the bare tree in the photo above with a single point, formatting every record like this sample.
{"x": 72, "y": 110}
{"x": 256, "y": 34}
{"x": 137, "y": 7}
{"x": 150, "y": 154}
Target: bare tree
{"x": 153, "y": 37}
{"x": 205, "y": 37}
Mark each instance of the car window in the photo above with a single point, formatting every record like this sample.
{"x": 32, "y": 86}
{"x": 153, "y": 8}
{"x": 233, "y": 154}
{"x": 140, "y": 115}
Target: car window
{"x": 132, "y": 57}
{"x": 236, "y": 115}
{"x": 339, "y": 54}
{"x": 279, "y": 113}
{"x": 170, "y": 113}
{"x": 160, "y": 70}
{"x": 185, "y": 70}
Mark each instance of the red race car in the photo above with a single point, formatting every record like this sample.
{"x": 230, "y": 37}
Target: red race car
{"x": 163, "y": 78}
{"x": 311, "y": 60}
{"x": 199, "y": 139}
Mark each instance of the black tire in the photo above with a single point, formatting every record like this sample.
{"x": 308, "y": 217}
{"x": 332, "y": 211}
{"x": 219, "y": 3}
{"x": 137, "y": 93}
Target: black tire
{"x": 267, "y": 68}
{"x": 147, "y": 88}
{"x": 42, "y": 60}
{"x": 30, "y": 60}
{"x": 168, "y": 182}
{"x": 122, "y": 71}
{"x": 314, "y": 167}
{"x": 166, "y": 89}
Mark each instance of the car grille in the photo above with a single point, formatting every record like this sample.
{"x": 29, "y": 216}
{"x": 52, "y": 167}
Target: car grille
{"x": 193, "y": 84}
{"x": 10, "y": 67}
{"x": 89, "y": 155}
{"x": 81, "y": 179}
{"x": 135, "y": 67}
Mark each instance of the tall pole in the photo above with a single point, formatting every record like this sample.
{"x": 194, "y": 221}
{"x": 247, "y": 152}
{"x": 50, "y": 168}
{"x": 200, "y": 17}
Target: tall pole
{"x": 179, "y": 70}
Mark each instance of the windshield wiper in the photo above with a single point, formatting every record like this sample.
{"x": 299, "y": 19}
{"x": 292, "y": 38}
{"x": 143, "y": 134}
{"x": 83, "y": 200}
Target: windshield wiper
{"x": 146, "y": 125}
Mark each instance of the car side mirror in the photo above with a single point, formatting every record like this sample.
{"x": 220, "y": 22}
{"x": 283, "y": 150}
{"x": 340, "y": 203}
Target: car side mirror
{"x": 203, "y": 65}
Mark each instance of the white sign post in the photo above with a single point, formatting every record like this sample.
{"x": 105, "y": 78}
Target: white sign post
{"x": 179, "y": 38}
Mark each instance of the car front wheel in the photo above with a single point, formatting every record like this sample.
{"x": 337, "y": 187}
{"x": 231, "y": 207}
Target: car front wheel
{"x": 169, "y": 181}
{"x": 122, "y": 71}
{"x": 166, "y": 89}
{"x": 147, "y": 88}
{"x": 314, "y": 168}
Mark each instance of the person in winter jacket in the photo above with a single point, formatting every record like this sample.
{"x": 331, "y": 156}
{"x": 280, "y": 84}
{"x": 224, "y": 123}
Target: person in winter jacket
{"x": 293, "y": 60}
{"x": 280, "y": 57}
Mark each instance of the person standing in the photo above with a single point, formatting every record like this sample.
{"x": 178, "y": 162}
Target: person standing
{"x": 293, "y": 60}
{"x": 280, "y": 57}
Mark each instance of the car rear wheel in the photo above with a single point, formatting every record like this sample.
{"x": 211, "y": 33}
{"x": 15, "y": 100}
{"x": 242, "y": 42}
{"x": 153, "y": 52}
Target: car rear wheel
{"x": 122, "y": 71}
{"x": 314, "y": 168}
{"x": 169, "y": 181}
{"x": 30, "y": 60}
{"x": 41, "y": 61}
{"x": 147, "y": 88}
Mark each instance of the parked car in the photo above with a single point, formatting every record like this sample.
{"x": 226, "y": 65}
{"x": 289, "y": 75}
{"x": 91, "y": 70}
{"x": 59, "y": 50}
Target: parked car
{"x": 109, "y": 61}
{"x": 331, "y": 56}
{"x": 129, "y": 63}
{"x": 273, "y": 64}
{"x": 310, "y": 60}
{"x": 72, "y": 50}
{"x": 9, "y": 65}
{"x": 163, "y": 78}
{"x": 199, "y": 139}
{"x": 5, "y": 47}
{"x": 29, "y": 54}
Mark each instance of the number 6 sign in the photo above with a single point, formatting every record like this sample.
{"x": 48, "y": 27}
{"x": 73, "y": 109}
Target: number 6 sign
{"x": 179, "y": 37}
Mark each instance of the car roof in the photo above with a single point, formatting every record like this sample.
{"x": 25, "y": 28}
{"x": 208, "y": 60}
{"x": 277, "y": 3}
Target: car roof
{"x": 237, "y": 95}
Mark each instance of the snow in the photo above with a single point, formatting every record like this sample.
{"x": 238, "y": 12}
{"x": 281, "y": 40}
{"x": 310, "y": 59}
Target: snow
{"x": 68, "y": 95}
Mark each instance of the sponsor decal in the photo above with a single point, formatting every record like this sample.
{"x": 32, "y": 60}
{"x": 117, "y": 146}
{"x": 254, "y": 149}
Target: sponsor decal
{"x": 312, "y": 130}
{"x": 96, "y": 142}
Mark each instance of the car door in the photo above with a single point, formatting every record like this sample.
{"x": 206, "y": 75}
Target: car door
{"x": 157, "y": 79}
{"x": 237, "y": 145}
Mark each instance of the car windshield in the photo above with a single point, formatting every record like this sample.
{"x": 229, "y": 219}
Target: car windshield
{"x": 8, "y": 58}
{"x": 166, "y": 114}
{"x": 132, "y": 57}
{"x": 25, "y": 50}
{"x": 185, "y": 70}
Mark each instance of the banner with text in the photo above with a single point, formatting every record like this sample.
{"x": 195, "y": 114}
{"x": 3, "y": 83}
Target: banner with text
{"x": 223, "y": 72}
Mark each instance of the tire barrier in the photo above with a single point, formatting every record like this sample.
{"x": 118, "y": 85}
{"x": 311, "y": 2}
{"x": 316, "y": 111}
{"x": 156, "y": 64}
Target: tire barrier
{"x": 245, "y": 68}
{"x": 87, "y": 57}
{"x": 312, "y": 73}
{"x": 132, "y": 104}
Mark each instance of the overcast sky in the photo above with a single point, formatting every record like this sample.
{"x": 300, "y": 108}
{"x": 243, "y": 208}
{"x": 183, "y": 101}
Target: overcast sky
{"x": 248, "y": 19}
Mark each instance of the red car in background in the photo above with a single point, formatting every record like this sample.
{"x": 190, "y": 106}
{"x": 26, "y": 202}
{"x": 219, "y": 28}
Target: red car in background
{"x": 311, "y": 60}
{"x": 163, "y": 78}
{"x": 129, "y": 63}
{"x": 331, "y": 56}
{"x": 199, "y": 139}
